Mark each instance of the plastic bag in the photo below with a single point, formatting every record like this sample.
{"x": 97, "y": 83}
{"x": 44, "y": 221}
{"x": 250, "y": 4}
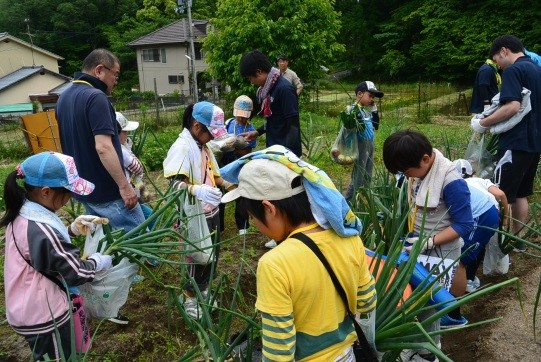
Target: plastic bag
{"x": 194, "y": 227}
{"x": 109, "y": 290}
{"x": 226, "y": 143}
{"x": 346, "y": 147}
{"x": 81, "y": 329}
{"x": 495, "y": 262}
{"x": 479, "y": 157}
{"x": 92, "y": 242}
{"x": 368, "y": 325}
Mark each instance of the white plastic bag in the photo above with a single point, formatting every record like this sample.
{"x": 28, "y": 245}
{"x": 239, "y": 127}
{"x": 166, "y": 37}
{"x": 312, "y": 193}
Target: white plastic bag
{"x": 194, "y": 228}
{"x": 495, "y": 262}
{"x": 109, "y": 290}
{"x": 345, "y": 148}
{"x": 92, "y": 242}
{"x": 368, "y": 325}
{"x": 480, "y": 158}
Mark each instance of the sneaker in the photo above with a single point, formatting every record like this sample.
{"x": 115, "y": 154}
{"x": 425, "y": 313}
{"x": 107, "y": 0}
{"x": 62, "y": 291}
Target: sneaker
{"x": 191, "y": 306}
{"x": 137, "y": 278}
{"x": 448, "y": 322}
{"x": 519, "y": 247}
{"x": 473, "y": 285}
{"x": 119, "y": 319}
{"x": 417, "y": 355}
{"x": 243, "y": 232}
{"x": 205, "y": 294}
{"x": 152, "y": 262}
{"x": 271, "y": 244}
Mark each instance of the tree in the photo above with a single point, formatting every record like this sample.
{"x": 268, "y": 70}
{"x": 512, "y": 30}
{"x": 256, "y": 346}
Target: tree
{"x": 305, "y": 30}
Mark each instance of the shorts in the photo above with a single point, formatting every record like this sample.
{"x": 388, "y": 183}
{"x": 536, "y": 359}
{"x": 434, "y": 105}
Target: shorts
{"x": 480, "y": 235}
{"x": 516, "y": 176}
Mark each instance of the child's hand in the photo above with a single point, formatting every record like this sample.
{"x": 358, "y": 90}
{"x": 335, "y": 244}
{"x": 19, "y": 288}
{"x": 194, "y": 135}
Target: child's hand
{"x": 84, "y": 224}
{"x": 103, "y": 262}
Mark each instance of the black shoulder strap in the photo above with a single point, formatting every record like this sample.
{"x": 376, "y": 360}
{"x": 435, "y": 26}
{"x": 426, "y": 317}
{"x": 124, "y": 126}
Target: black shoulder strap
{"x": 54, "y": 280}
{"x": 365, "y": 346}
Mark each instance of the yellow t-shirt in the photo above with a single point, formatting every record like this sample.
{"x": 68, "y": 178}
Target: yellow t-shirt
{"x": 303, "y": 315}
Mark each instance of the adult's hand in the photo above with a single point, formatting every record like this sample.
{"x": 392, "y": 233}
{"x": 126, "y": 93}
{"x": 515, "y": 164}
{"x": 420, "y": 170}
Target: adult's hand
{"x": 129, "y": 196}
{"x": 476, "y": 125}
{"x": 250, "y": 135}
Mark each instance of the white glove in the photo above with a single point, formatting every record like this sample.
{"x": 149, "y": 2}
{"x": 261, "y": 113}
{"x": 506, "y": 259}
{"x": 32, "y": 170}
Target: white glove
{"x": 373, "y": 108}
{"x": 207, "y": 194}
{"x": 228, "y": 186}
{"x": 410, "y": 242}
{"x": 103, "y": 262}
{"x": 85, "y": 224}
{"x": 476, "y": 125}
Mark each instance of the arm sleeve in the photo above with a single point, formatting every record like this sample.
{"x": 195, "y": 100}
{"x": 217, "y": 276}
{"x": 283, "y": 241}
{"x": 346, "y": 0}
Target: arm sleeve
{"x": 484, "y": 94}
{"x": 135, "y": 167}
{"x": 278, "y": 337}
{"x": 375, "y": 120}
{"x": 456, "y": 196}
{"x": 50, "y": 254}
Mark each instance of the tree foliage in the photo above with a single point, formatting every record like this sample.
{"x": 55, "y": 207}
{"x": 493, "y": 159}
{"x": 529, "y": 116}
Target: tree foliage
{"x": 305, "y": 30}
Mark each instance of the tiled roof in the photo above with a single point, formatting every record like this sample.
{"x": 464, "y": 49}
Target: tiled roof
{"x": 24, "y": 73}
{"x": 176, "y": 32}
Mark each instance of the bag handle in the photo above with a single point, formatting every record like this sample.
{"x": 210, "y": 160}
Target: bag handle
{"x": 365, "y": 346}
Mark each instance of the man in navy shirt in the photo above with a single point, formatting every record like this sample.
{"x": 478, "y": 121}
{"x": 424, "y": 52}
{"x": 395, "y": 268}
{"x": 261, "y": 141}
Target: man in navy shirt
{"x": 485, "y": 86}
{"x": 519, "y": 148}
{"x": 279, "y": 103}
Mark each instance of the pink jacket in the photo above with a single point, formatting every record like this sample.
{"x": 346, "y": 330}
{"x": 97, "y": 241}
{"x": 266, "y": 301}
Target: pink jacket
{"x": 32, "y": 300}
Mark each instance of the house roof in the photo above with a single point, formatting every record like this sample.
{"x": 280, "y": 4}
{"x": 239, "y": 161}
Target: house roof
{"x": 174, "y": 33}
{"x": 6, "y": 38}
{"x": 24, "y": 73}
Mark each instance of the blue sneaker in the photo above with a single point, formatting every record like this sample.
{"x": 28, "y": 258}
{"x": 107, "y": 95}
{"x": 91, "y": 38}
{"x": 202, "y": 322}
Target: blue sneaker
{"x": 448, "y": 322}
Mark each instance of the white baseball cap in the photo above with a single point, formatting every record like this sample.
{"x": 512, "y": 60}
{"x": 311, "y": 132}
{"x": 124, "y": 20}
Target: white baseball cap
{"x": 126, "y": 125}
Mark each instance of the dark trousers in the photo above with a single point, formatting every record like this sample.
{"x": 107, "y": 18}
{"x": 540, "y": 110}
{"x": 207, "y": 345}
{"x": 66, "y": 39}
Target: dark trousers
{"x": 47, "y": 344}
{"x": 202, "y": 273}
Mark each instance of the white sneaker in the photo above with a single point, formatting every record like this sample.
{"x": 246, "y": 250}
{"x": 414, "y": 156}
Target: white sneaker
{"x": 473, "y": 285}
{"x": 243, "y": 232}
{"x": 212, "y": 298}
{"x": 271, "y": 244}
{"x": 414, "y": 355}
{"x": 191, "y": 306}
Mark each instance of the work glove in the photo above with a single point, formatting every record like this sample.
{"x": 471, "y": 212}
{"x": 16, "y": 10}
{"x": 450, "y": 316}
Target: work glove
{"x": 228, "y": 186}
{"x": 373, "y": 108}
{"x": 103, "y": 262}
{"x": 476, "y": 125}
{"x": 207, "y": 194}
{"x": 410, "y": 242}
{"x": 85, "y": 224}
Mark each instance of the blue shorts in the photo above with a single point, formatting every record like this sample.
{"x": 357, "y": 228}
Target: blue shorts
{"x": 480, "y": 235}
{"x": 119, "y": 217}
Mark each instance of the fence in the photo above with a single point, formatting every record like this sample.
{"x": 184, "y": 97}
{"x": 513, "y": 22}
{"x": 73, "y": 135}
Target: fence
{"x": 422, "y": 101}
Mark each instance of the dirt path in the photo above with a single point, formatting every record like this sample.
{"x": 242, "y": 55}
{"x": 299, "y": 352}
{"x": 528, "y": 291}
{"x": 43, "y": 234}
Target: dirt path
{"x": 511, "y": 338}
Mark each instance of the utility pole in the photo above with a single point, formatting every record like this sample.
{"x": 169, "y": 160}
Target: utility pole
{"x": 27, "y": 21}
{"x": 182, "y": 5}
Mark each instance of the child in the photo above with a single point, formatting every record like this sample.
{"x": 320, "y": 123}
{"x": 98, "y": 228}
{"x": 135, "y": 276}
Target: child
{"x": 191, "y": 164}
{"x": 242, "y": 109}
{"x": 38, "y": 250}
{"x": 486, "y": 199}
{"x": 295, "y": 295}
{"x": 133, "y": 168}
{"x": 279, "y": 103}
{"x": 440, "y": 211}
{"x": 368, "y": 121}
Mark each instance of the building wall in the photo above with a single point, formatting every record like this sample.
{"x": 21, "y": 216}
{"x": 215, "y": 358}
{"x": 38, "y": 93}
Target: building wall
{"x": 38, "y": 83}
{"x": 16, "y": 55}
{"x": 177, "y": 64}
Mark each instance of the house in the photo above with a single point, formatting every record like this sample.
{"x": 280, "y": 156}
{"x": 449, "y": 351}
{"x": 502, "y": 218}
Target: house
{"x": 27, "y": 73}
{"x": 163, "y": 57}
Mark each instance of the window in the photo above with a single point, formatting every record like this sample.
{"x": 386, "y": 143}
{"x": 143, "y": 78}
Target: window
{"x": 176, "y": 79}
{"x": 198, "y": 52}
{"x": 154, "y": 55}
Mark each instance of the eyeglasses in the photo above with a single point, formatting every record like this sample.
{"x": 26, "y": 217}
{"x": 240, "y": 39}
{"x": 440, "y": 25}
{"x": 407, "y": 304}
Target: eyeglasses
{"x": 116, "y": 74}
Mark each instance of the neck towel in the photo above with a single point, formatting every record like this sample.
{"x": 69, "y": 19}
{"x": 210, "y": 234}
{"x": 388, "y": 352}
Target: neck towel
{"x": 329, "y": 207}
{"x": 430, "y": 188}
{"x": 263, "y": 93}
{"x": 35, "y": 212}
{"x": 495, "y": 67}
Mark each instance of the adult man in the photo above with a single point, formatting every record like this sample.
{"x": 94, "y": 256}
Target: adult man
{"x": 520, "y": 147}
{"x": 485, "y": 87}
{"x": 279, "y": 103}
{"x": 89, "y": 133}
{"x": 288, "y": 74}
